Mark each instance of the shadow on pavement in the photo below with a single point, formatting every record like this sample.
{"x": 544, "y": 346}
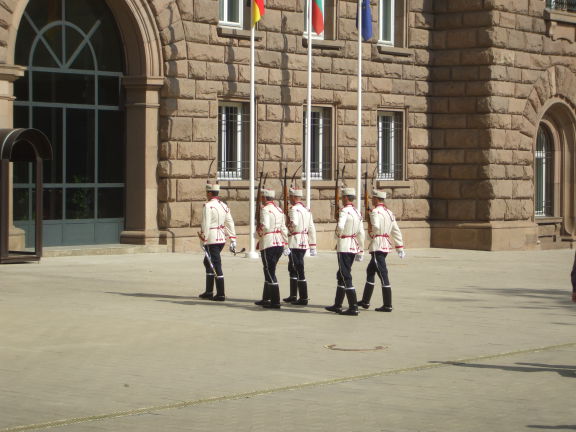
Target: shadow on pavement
{"x": 559, "y": 427}
{"x": 562, "y": 370}
{"x": 230, "y": 302}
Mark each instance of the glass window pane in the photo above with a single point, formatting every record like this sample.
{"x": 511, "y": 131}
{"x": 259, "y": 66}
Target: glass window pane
{"x": 106, "y": 39}
{"x": 111, "y": 147}
{"x": 44, "y": 12}
{"x": 21, "y": 204}
{"x": 21, "y": 172}
{"x": 80, "y": 146}
{"x": 63, "y": 88}
{"x": 24, "y": 41}
{"x": 52, "y": 205}
{"x": 49, "y": 121}
{"x": 109, "y": 91}
{"x": 79, "y": 203}
{"x": 233, "y": 15}
{"x": 21, "y": 87}
{"x": 386, "y": 19}
{"x": 111, "y": 203}
{"x": 43, "y": 57}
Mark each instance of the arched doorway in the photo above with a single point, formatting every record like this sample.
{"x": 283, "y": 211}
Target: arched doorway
{"x": 72, "y": 91}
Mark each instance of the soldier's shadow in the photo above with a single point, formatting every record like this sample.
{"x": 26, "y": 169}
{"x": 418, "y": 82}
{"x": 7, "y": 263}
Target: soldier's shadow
{"x": 230, "y": 302}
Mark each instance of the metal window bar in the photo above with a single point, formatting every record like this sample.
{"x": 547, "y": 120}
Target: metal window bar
{"x": 390, "y": 147}
{"x": 567, "y": 5}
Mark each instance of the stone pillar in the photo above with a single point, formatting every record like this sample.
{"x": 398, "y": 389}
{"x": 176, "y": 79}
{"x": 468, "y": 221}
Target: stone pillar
{"x": 9, "y": 74}
{"x": 142, "y": 106}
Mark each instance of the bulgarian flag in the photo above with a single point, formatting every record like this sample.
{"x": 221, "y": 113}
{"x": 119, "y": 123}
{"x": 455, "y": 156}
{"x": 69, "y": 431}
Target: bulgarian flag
{"x": 257, "y": 11}
{"x": 317, "y": 16}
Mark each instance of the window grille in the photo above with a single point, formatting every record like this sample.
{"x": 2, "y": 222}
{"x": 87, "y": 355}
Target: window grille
{"x": 233, "y": 129}
{"x": 390, "y": 146}
{"x": 567, "y": 5}
{"x": 321, "y": 145}
{"x": 543, "y": 173}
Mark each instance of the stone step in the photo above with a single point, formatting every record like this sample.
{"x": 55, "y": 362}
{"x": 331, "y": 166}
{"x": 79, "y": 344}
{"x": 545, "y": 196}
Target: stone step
{"x": 106, "y": 249}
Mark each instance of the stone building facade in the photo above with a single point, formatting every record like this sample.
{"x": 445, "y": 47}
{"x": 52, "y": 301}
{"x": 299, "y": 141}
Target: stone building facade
{"x": 481, "y": 92}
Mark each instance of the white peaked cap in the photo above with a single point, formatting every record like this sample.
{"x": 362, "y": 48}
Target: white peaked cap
{"x": 379, "y": 194}
{"x": 349, "y": 191}
{"x": 212, "y": 187}
{"x": 268, "y": 193}
{"x": 296, "y": 192}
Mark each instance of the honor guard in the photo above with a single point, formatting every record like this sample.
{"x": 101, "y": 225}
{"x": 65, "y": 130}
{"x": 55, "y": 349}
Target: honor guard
{"x": 383, "y": 232}
{"x": 217, "y": 225}
{"x": 350, "y": 247}
{"x": 273, "y": 236}
{"x": 301, "y": 237}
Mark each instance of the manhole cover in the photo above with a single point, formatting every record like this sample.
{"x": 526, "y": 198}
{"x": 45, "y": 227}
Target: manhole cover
{"x": 335, "y": 347}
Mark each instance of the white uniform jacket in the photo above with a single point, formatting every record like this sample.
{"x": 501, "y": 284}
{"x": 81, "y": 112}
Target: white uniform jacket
{"x": 272, "y": 229}
{"x": 384, "y": 230}
{"x": 217, "y": 223}
{"x": 350, "y": 231}
{"x": 301, "y": 229}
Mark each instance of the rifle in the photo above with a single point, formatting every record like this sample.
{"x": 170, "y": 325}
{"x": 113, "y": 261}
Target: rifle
{"x": 259, "y": 197}
{"x": 337, "y": 193}
{"x": 366, "y": 203}
{"x": 285, "y": 187}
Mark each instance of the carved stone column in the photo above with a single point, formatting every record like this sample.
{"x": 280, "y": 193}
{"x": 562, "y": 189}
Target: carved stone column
{"x": 9, "y": 74}
{"x": 142, "y": 107}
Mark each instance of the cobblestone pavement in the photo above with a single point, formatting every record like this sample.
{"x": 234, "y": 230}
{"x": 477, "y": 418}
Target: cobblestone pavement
{"x": 477, "y": 341}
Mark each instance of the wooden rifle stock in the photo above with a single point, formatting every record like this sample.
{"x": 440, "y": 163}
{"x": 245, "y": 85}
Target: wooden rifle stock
{"x": 337, "y": 193}
{"x": 258, "y": 199}
{"x": 366, "y": 203}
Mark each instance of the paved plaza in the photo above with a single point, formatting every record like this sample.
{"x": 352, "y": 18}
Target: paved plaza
{"x": 478, "y": 341}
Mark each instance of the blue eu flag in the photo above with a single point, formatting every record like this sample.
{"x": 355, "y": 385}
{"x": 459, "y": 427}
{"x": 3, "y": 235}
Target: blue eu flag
{"x": 366, "y": 20}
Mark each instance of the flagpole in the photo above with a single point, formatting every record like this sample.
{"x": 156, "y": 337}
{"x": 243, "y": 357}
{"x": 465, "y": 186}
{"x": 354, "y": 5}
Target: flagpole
{"x": 308, "y": 143}
{"x": 359, "y": 111}
{"x": 252, "y": 253}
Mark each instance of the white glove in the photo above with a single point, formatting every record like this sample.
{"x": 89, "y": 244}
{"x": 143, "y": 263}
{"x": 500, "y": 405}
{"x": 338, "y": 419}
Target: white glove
{"x": 359, "y": 257}
{"x": 286, "y": 251}
{"x": 313, "y": 252}
{"x": 401, "y": 253}
{"x": 233, "y": 246}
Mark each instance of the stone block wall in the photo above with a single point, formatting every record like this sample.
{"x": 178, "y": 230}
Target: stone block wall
{"x": 495, "y": 70}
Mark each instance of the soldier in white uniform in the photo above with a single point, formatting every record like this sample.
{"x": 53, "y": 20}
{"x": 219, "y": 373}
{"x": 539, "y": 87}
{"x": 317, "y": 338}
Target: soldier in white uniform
{"x": 383, "y": 232}
{"x": 350, "y": 247}
{"x": 217, "y": 225}
{"x": 301, "y": 237}
{"x": 273, "y": 242}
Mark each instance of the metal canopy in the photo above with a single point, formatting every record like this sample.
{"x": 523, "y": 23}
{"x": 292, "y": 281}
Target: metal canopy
{"x": 21, "y": 145}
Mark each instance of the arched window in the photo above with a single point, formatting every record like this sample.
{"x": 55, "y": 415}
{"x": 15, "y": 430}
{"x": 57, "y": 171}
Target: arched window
{"x": 544, "y": 173}
{"x": 72, "y": 92}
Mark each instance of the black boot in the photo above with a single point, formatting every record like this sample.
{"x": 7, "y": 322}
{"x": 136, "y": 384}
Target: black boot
{"x": 274, "y": 297}
{"x": 352, "y": 303}
{"x": 220, "y": 296}
{"x": 265, "y": 296}
{"x": 337, "y": 307}
{"x": 387, "y": 294}
{"x": 209, "y": 293}
{"x": 366, "y": 296}
{"x": 293, "y": 291}
{"x": 303, "y": 293}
